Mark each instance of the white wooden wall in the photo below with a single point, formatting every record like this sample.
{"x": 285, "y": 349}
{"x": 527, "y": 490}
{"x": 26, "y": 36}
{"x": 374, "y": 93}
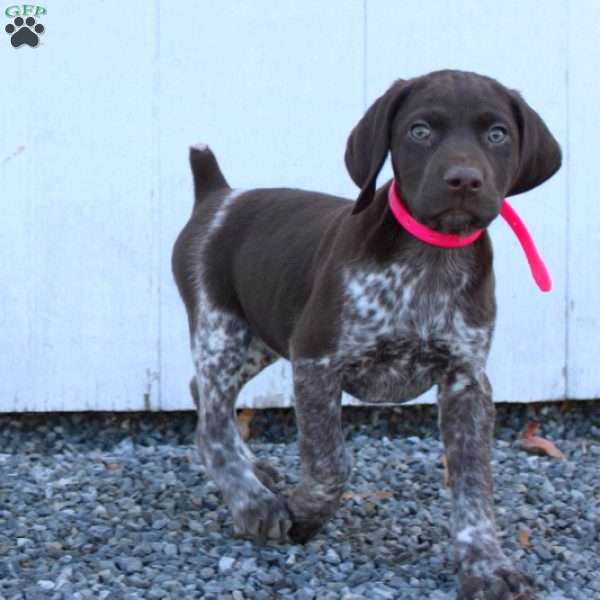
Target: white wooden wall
{"x": 95, "y": 185}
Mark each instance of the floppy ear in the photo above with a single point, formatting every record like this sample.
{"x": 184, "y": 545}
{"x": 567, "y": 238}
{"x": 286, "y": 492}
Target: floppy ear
{"x": 539, "y": 152}
{"x": 369, "y": 142}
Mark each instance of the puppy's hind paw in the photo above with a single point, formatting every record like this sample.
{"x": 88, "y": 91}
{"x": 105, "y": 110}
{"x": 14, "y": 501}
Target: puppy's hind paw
{"x": 264, "y": 519}
{"x": 505, "y": 583}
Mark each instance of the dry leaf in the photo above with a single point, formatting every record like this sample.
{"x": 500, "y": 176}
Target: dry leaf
{"x": 367, "y": 494}
{"x": 536, "y": 444}
{"x": 565, "y": 407}
{"x": 113, "y": 466}
{"x": 245, "y": 419}
{"x": 523, "y": 537}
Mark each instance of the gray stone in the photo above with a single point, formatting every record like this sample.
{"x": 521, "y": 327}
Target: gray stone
{"x": 46, "y": 584}
{"x": 129, "y": 564}
{"x": 226, "y": 564}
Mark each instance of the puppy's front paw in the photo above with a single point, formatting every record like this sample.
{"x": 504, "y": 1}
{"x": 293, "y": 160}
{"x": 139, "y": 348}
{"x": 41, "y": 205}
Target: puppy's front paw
{"x": 262, "y": 517}
{"x": 302, "y": 531}
{"x": 484, "y": 581}
{"x": 310, "y": 508}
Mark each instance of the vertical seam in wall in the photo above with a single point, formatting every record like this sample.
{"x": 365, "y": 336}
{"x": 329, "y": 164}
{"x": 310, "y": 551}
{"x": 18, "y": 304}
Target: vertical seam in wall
{"x": 566, "y": 199}
{"x": 365, "y": 64}
{"x": 156, "y": 379}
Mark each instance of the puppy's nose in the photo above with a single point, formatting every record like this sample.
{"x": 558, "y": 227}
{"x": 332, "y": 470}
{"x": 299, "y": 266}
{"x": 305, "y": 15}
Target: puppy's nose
{"x": 464, "y": 178}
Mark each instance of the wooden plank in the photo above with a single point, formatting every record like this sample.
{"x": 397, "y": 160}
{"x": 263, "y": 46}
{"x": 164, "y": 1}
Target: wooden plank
{"x": 528, "y": 354}
{"x": 584, "y": 230}
{"x": 274, "y": 88}
{"x": 79, "y": 307}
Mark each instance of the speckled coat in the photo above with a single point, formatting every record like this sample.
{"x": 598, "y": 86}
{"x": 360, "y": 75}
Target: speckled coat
{"x": 358, "y": 305}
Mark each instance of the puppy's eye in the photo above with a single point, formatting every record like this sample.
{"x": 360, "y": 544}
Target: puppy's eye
{"x": 420, "y": 132}
{"x": 497, "y": 134}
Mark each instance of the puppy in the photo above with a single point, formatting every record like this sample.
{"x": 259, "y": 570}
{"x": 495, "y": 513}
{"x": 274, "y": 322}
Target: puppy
{"x": 358, "y": 304}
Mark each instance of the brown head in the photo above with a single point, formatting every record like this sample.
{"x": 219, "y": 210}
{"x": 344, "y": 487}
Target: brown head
{"x": 459, "y": 143}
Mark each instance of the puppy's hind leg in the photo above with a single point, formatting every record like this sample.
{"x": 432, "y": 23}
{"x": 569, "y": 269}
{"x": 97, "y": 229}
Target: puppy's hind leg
{"x": 220, "y": 345}
{"x": 258, "y": 357}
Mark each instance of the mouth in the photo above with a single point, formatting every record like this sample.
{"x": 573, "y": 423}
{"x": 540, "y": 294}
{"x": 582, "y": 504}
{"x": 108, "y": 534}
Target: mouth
{"x": 456, "y": 221}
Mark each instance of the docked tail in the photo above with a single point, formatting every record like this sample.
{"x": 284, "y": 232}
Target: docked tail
{"x": 206, "y": 172}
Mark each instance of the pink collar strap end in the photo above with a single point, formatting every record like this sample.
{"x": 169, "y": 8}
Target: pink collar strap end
{"x": 540, "y": 272}
{"x": 448, "y": 240}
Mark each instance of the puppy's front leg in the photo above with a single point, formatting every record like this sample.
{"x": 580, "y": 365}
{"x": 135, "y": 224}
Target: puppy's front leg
{"x": 325, "y": 465}
{"x": 466, "y": 416}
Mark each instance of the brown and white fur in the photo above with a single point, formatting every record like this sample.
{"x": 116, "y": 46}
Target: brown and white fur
{"x": 358, "y": 305}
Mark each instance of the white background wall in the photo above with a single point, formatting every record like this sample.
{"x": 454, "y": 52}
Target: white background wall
{"x": 95, "y": 184}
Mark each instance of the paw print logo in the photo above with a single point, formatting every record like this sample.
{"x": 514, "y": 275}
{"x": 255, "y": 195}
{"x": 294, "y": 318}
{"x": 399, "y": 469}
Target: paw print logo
{"x": 24, "y": 32}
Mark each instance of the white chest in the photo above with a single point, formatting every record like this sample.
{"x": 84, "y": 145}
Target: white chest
{"x": 400, "y": 333}
{"x": 400, "y": 307}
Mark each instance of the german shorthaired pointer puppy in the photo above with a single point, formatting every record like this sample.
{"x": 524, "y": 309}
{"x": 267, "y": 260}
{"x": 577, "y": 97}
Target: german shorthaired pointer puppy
{"x": 358, "y": 304}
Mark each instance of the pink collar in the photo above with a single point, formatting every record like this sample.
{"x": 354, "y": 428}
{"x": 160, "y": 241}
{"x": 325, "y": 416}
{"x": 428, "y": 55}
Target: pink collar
{"x": 449, "y": 240}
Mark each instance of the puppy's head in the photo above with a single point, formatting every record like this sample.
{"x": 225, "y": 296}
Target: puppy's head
{"x": 459, "y": 142}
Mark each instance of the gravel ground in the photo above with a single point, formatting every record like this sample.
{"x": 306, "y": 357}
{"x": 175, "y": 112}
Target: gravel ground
{"x": 116, "y": 506}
